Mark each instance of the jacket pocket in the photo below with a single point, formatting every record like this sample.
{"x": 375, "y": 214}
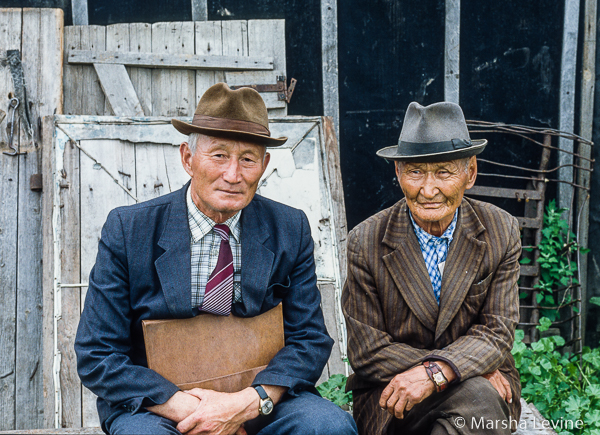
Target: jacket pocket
{"x": 481, "y": 287}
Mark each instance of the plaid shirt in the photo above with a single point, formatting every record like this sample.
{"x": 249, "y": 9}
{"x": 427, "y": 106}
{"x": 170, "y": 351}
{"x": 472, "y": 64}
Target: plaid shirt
{"x": 434, "y": 250}
{"x": 205, "y": 244}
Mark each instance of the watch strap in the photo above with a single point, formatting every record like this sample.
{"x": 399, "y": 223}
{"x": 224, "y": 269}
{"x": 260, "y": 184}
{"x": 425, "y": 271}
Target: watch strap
{"x": 436, "y": 375}
{"x": 261, "y": 392}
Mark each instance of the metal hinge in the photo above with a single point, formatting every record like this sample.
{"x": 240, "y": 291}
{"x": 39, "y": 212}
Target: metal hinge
{"x": 284, "y": 93}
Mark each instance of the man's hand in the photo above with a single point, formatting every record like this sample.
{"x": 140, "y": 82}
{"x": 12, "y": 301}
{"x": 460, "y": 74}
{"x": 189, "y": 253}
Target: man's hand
{"x": 220, "y": 413}
{"x": 409, "y": 388}
{"x": 178, "y": 407}
{"x": 500, "y": 384}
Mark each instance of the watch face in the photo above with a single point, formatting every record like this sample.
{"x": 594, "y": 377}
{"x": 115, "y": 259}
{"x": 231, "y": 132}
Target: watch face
{"x": 438, "y": 378}
{"x": 266, "y": 407}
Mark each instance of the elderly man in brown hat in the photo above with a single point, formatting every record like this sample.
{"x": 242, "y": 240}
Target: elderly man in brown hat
{"x": 211, "y": 247}
{"x": 431, "y": 299}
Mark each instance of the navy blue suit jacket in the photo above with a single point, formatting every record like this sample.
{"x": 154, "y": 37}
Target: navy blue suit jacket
{"x": 142, "y": 271}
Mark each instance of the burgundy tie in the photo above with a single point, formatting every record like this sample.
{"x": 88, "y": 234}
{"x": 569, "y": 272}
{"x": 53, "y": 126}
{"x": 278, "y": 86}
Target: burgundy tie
{"x": 219, "y": 288}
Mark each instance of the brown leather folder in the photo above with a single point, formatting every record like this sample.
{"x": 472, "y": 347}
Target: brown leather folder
{"x": 222, "y": 353}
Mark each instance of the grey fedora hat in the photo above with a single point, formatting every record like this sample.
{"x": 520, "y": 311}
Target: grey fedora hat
{"x": 433, "y": 133}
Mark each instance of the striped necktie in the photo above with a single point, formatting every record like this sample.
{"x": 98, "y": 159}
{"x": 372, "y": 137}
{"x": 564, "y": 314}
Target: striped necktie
{"x": 219, "y": 288}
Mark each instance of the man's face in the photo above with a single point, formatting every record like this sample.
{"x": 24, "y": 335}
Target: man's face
{"x": 435, "y": 190}
{"x": 225, "y": 174}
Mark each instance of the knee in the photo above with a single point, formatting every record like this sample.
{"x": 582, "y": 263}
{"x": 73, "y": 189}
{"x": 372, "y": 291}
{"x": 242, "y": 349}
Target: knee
{"x": 329, "y": 421}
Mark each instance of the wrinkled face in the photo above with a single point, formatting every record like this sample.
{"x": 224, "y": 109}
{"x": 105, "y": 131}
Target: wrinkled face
{"x": 435, "y": 190}
{"x": 225, "y": 174}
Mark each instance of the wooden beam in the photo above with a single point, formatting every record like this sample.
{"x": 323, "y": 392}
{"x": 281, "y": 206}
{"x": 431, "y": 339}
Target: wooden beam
{"x": 452, "y": 52}
{"x": 585, "y": 130}
{"x": 329, "y": 50}
{"x": 119, "y": 90}
{"x": 199, "y": 10}
{"x": 568, "y": 74}
{"x": 167, "y": 60}
{"x": 80, "y": 12}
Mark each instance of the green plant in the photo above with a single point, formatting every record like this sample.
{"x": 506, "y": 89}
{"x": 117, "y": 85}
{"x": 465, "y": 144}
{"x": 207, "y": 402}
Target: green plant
{"x": 334, "y": 390}
{"x": 556, "y": 268}
{"x": 564, "y": 388}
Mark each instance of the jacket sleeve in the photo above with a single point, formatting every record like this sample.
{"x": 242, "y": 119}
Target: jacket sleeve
{"x": 103, "y": 342}
{"x": 307, "y": 345}
{"x": 485, "y": 345}
{"x": 374, "y": 355}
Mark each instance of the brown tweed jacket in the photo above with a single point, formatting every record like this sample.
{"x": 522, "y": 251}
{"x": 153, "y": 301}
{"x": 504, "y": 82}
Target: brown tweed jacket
{"x": 394, "y": 322}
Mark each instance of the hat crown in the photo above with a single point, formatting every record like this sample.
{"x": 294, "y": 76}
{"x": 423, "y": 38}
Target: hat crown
{"x": 244, "y": 104}
{"x": 439, "y": 122}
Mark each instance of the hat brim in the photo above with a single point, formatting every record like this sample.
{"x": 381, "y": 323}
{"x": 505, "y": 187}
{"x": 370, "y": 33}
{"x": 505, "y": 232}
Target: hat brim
{"x": 392, "y": 153}
{"x": 187, "y": 129}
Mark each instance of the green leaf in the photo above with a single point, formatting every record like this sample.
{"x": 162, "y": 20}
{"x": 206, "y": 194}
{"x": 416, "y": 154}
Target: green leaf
{"x": 525, "y": 260}
{"x": 595, "y": 300}
{"x": 545, "y": 324}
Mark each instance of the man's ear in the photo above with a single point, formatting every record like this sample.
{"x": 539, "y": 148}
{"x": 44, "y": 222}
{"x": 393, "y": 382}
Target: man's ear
{"x": 266, "y": 161}
{"x": 472, "y": 172}
{"x": 186, "y": 158}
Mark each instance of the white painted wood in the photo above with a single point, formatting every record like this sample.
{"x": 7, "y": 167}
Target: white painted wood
{"x": 199, "y": 10}
{"x": 209, "y": 42}
{"x": 568, "y": 74}
{"x": 140, "y": 41}
{"x": 176, "y": 61}
{"x": 271, "y": 99}
{"x": 10, "y": 39}
{"x": 267, "y": 37}
{"x": 173, "y": 92}
{"x": 80, "y": 12}
{"x": 452, "y": 52}
{"x": 118, "y": 90}
{"x": 159, "y": 170}
{"x": 329, "y": 50}
{"x": 117, "y": 40}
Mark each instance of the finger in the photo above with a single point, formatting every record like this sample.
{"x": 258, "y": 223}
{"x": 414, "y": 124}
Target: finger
{"x": 188, "y": 423}
{"x": 196, "y": 392}
{"x": 392, "y": 402}
{"x": 399, "y": 408}
{"x": 241, "y": 431}
{"x": 509, "y": 396}
{"x": 385, "y": 395}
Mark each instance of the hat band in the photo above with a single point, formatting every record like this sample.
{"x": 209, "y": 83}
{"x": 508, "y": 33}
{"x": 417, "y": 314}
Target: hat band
{"x": 415, "y": 149}
{"x": 230, "y": 124}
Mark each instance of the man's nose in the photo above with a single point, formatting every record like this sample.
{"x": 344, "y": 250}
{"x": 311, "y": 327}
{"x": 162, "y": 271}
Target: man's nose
{"x": 232, "y": 172}
{"x": 429, "y": 189}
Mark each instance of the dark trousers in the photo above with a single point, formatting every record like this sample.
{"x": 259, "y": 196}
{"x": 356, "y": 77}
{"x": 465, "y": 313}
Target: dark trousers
{"x": 307, "y": 414}
{"x": 470, "y": 407}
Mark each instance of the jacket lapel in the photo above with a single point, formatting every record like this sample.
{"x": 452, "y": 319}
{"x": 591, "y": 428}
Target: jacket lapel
{"x": 173, "y": 266}
{"x": 407, "y": 267}
{"x": 257, "y": 262}
{"x": 464, "y": 258}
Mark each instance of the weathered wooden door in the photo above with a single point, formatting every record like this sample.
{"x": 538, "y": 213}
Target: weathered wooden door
{"x": 95, "y": 164}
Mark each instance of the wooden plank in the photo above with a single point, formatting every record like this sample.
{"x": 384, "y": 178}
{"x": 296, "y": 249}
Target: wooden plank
{"x": 158, "y": 170}
{"x": 99, "y": 195}
{"x": 117, "y": 40}
{"x": 80, "y": 12}
{"x": 10, "y": 39}
{"x": 82, "y": 92}
{"x": 118, "y": 90}
{"x": 70, "y": 234}
{"x": 173, "y": 92}
{"x": 329, "y": 50}
{"x": 42, "y": 63}
{"x": 208, "y": 43}
{"x": 199, "y": 10}
{"x": 586, "y": 112}
{"x": 568, "y": 75}
{"x": 329, "y": 306}
{"x": 501, "y": 192}
{"x": 258, "y": 78}
{"x": 48, "y": 268}
{"x": 140, "y": 41}
{"x": 268, "y": 37}
{"x": 176, "y": 61}
{"x": 452, "y": 52}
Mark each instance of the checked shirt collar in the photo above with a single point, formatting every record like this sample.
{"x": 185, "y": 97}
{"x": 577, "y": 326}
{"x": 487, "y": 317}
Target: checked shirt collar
{"x": 434, "y": 250}
{"x": 201, "y": 225}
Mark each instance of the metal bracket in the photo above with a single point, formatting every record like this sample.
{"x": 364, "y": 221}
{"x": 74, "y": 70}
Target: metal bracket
{"x": 13, "y": 58}
{"x": 284, "y": 93}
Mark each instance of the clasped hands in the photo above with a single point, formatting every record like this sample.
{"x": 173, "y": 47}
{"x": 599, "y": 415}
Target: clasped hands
{"x": 413, "y": 386}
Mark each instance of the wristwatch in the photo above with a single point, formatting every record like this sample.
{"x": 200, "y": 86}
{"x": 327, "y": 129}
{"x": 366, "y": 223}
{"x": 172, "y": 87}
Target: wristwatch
{"x": 266, "y": 403}
{"x": 436, "y": 375}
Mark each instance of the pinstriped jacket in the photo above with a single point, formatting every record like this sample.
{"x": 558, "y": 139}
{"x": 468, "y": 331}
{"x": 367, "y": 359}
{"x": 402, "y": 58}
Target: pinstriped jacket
{"x": 393, "y": 320}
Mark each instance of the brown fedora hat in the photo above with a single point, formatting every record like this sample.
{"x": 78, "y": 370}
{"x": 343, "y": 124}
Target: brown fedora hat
{"x": 433, "y": 133}
{"x": 239, "y": 114}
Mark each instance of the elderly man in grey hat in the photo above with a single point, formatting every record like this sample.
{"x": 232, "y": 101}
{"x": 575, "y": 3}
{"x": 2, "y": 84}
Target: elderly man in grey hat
{"x": 431, "y": 300}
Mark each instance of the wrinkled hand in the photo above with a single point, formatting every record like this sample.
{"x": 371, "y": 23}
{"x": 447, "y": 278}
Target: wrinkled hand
{"x": 220, "y": 413}
{"x": 500, "y": 384}
{"x": 406, "y": 390}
